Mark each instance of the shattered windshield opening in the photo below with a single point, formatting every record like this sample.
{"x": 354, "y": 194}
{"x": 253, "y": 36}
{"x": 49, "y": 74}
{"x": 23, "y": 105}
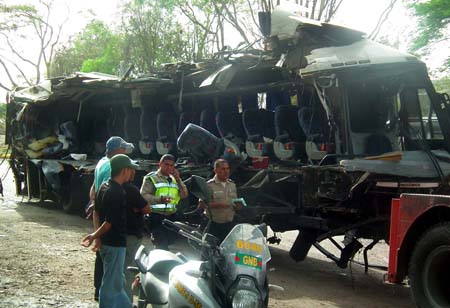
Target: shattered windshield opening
{"x": 390, "y": 114}
{"x": 419, "y": 121}
{"x": 372, "y": 107}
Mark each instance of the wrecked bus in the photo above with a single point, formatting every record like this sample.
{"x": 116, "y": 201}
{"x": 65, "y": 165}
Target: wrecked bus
{"x": 328, "y": 133}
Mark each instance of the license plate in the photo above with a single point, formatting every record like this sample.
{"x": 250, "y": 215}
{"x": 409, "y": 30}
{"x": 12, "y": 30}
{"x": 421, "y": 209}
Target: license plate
{"x": 248, "y": 260}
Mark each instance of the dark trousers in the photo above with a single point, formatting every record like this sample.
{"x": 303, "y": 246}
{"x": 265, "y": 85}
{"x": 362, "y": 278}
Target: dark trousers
{"x": 221, "y": 230}
{"x": 98, "y": 273}
{"x": 161, "y": 236}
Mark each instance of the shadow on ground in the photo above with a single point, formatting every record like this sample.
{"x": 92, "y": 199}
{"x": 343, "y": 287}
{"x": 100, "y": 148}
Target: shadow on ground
{"x": 321, "y": 280}
{"x": 49, "y": 213}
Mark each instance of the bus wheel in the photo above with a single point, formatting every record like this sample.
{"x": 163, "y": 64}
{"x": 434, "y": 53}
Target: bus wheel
{"x": 429, "y": 270}
{"x": 75, "y": 197}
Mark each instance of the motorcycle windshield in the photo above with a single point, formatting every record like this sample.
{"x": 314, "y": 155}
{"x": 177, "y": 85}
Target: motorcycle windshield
{"x": 245, "y": 252}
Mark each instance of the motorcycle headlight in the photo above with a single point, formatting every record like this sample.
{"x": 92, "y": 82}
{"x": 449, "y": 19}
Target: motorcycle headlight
{"x": 244, "y": 294}
{"x": 246, "y": 299}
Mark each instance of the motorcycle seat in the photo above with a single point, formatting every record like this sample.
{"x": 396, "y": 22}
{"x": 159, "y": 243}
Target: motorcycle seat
{"x": 161, "y": 262}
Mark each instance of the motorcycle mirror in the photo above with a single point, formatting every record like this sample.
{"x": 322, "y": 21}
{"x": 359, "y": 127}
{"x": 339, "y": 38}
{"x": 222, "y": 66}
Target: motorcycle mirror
{"x": 197, "y": 186}
{"x": 263, "y": 228}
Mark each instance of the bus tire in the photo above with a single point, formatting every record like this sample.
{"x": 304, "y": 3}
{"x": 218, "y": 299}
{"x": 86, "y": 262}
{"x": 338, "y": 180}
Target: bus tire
{"x": 429, "y": 270}
{"x": 75, "y": 197}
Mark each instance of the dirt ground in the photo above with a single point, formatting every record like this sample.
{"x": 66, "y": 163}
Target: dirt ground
{"x": 43, "y": 265}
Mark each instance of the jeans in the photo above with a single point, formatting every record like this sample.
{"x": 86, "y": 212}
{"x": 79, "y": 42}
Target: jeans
{"x": 133, "y": 243}
{"x": 112, "y": 293}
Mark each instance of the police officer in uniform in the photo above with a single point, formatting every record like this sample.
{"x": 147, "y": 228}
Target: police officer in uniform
{"x": 221, "y": 208}
{"x": 163, "y": 189}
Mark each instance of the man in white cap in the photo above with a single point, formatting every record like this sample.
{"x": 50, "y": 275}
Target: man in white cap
{"x": 102, "y": 173}
{"x": 115, "y": 145}
{"x": 111, "y": 208}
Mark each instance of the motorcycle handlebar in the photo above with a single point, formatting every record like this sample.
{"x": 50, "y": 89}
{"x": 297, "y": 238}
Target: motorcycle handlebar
{"x": 170, "y": 225}
{"x": 190, "y": 236}
{"x": 182, "y": 229}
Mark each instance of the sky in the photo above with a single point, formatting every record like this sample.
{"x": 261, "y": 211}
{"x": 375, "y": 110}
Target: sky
{"x": 358, "y": 14}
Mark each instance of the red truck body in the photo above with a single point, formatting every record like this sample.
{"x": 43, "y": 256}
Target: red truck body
{"x": 411, "y": 216}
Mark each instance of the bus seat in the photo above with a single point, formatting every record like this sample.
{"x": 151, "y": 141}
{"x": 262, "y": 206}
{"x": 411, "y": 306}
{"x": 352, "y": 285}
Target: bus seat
{"x": 253, "y": 122}
{"x": 101, "y": 134}
{"x": 132, "y": 127}
{"x": 269, "y": 124}
{"x": 167, "y": 133}
{"x": 208, "y": 121}
{"x": 277, "y": 98}
{"x": 147, "y": 144}
{"x": 229, "y": 125}
{"x": 290, "y": 140}
{"x": 185, "y": 119}
{"x": 115, "y": 122}
{"x": 311, "y": 124}
{"x": 249, "y": 101}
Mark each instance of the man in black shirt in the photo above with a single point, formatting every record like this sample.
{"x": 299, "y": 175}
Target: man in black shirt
{"x": 137, "y": 207}
{"x": 111, "y": 206}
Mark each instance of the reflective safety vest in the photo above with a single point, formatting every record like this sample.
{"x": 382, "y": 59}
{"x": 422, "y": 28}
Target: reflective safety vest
{"x": 165, "y": 189}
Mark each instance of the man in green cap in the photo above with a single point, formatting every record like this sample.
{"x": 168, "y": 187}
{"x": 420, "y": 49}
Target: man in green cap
{"x": 102, "y": 173}
{"x": 111, "y": 206}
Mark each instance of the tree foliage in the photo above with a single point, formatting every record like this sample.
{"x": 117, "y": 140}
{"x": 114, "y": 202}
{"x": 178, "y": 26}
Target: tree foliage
{"x": 15, "y": 16}
{"x": 108, "y": 61}
{"x": 434, "y": 17}
{"x": 147, "y": 34}
{"x": 95, "y": 48}
{"x": 152, "y": 35}
{"x": 433, "y": 27}
{"x": 442, "y": 85}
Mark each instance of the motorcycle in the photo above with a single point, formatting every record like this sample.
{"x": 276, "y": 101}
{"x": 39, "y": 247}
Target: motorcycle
{"x": 234, "y": 273}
